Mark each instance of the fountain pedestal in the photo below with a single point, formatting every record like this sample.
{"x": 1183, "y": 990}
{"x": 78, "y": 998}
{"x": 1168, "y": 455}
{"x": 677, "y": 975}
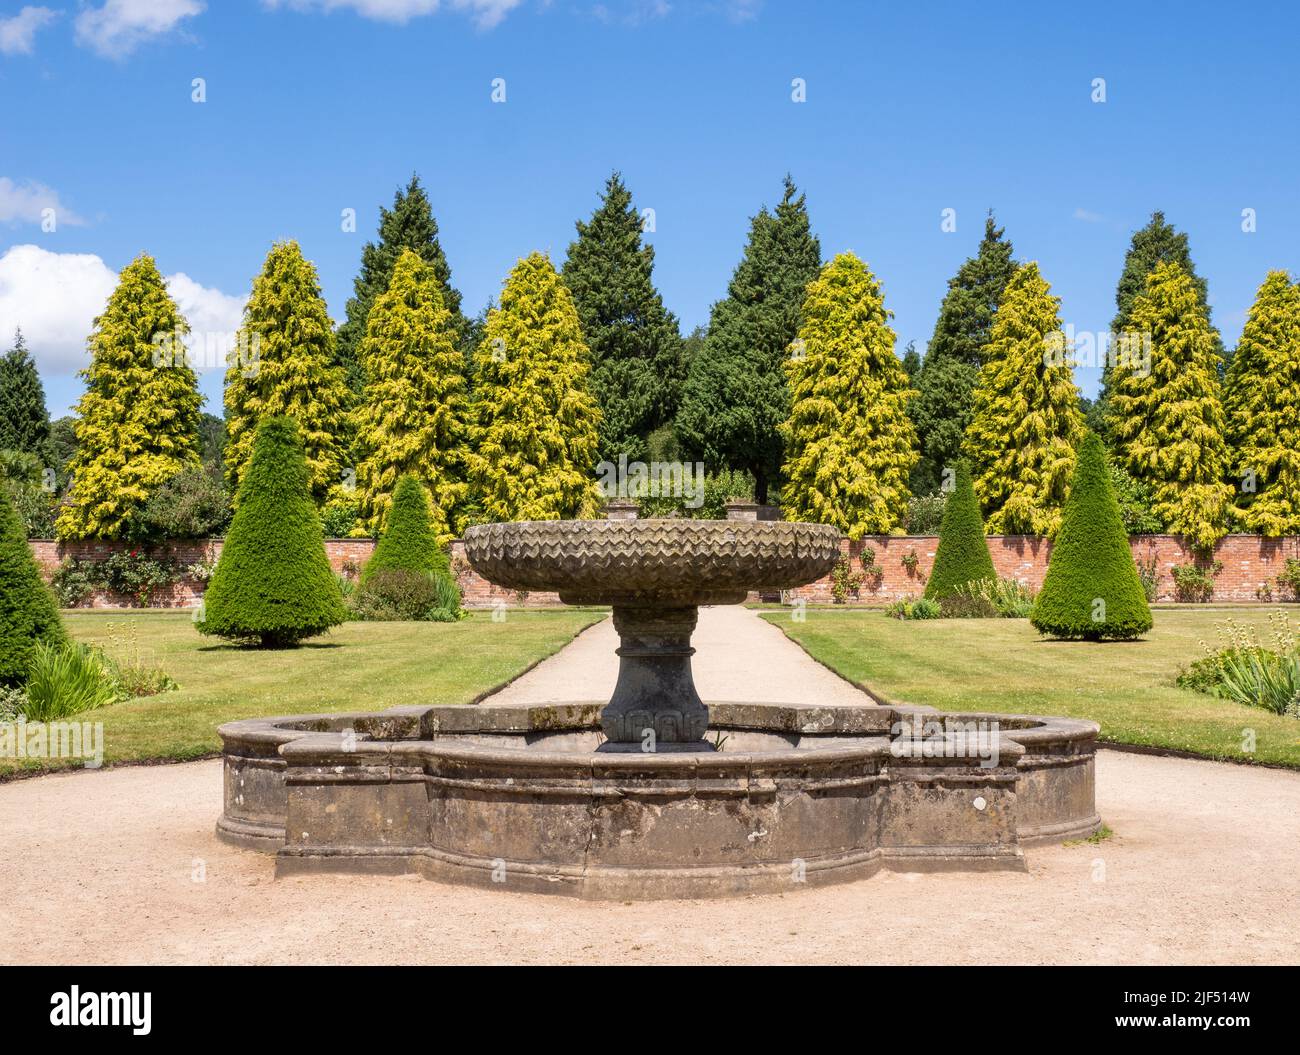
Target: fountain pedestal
{"x": 655, "y": 706}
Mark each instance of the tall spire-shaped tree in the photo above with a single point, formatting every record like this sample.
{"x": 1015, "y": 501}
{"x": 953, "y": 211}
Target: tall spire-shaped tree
{"x": 24, "y": 421}
{"x": 1167, "y": 416}
{"x": 1156, "y": 243}
{"x": 533, "y": 450}
{"x": 735, "y": 396}
{"x": 1262, "y": 402}
{"x": 946, "y": 382}
{"x": 1026, "y": 420}
{"x": 409, "y": 224}
{"x": 412, "y": 419}
{"x": 636, "y": 349}
{"x": 138, "y": 423}
{"x": 284, "y": 364}
{"x": 849, "y": 442}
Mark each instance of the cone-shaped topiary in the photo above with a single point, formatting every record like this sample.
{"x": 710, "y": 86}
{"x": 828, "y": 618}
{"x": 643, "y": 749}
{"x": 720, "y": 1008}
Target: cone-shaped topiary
{"x": 409, "y": 543}
{"x": 27, "y": 610}
{"x": 273, "y": 582}
{"x": 963, "y": 555}
{"x": 1092, "y": 591}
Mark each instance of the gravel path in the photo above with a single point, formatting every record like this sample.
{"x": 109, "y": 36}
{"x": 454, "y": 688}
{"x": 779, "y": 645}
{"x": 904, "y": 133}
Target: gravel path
{"x": 739, "y": 657}
{"x": 121, "y": 866}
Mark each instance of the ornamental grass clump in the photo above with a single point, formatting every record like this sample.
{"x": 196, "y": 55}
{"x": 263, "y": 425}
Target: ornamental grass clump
{"x": 273, "y": 584}
{"x": 1092, "y": 591}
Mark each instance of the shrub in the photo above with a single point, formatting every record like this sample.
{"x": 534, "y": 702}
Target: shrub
{"x": 13, "y": 703}
{"x": 1135, "y": 503}
{"x": 1092, "y": 591}
{"x": 967, "y": 605}
{"x": 132, "y": 573}
{"x": 22, "y": 476}
{"x": 192, "y": 504}
{"x": 129, "y": 670}
{"x": 273, "y": 583}
{"x": 1000, "y": 597}
{"x": 1289, "y": 578}
{"x": 719, "y": 488}
{"x": 28, "y": 615}
{"x": 341, "y": 514}
{"x": 409, "y": 542}
{"x": 963, "y": 554}
{"x": 66, "y": 679}
{"x": 1149, "y": 576}
{"x": 1195, "y": 582}
{"x": 402, "y": 593}
{"x": 914, "y": 608}
{"x": 925, "y": 513}
{"x": 844, "y": 581}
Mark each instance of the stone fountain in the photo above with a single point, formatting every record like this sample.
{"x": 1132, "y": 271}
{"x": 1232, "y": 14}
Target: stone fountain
{"x": 628, "y": 798}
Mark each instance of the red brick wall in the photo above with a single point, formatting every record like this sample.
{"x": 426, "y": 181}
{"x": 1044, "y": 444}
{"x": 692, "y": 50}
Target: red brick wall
{"x": 1249, "y": 562}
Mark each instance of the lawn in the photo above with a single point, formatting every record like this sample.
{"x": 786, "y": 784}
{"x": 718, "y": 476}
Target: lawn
{"x": 1002, "y": 665}
{"x": 359, "y": 666}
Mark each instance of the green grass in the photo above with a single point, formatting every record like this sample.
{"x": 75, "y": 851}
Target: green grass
{"x": 1002, "y": 665}
{"x": 358, "y": 666}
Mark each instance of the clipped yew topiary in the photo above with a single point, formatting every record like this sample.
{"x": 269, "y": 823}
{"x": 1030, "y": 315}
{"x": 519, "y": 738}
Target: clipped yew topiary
{"x": 273, "y": 583}
{"x": 1092, "y": 591}
{"x": 409, "y": 542}
{"x": 963, "y": 556}
{"x": 27, "y": 611}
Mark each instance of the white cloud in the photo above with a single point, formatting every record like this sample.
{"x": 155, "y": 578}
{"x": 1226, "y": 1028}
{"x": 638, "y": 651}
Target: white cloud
{"x": 120, "y": 26}
{"x": 18, "y": 34}
{"x": 27, "y": 201}
{"x": 1088, "y": 217}
{"x": 486, "y": 13}
{"x": 55, "y": 297}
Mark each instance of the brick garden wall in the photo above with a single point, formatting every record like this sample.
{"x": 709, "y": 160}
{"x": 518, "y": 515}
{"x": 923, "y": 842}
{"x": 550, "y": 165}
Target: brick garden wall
{"x": 1249, "y": 563}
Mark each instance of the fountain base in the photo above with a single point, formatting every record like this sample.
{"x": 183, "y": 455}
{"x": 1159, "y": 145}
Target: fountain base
{"x": 528, "y": 799}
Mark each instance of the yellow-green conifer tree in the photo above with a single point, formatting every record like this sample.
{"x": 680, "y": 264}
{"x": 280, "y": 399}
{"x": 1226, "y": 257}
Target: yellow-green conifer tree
{"x": 1026, "y": 421}
{"x": 850, "y": 445}
{"x": 284, "y": 364}
{"x": 1167, "y": 421}
{"x": 138, "y": 422}
{"x": 412, "y": 418}
{"x": 1262, "y": 403}
{"x": 534, "y": 440}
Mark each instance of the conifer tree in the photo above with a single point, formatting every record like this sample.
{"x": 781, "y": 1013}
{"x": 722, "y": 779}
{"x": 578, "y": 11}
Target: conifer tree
{"x": 409, "y": 224}
{"x": 946, "y": 382}
{"x": 24, "y": 421}
{"x": 138, "y": 422}
{"x": 284, "y": 363}
{"x": 1262, "y": 404}
{"x": 533, "y": 449}
{"x": 636, "y": 348}
{"x": 736, "y": 396}
{"x": 1167, "y": 416}
{"x": 273, "y": 583}
{"x": 963, "y": 555}
{"x": 27, "y": 611}
{"x": 410, "y": 541}
{"x": 849, "y": 442}
{"x": 1092, "y": 591}
{"x": 1156, "y": 243}
{"x": 1026, "y": 419}
{"x": 412, "y": 418}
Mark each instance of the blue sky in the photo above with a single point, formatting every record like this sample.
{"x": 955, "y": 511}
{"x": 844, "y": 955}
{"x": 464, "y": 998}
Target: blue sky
{"x": 315, "y": 106}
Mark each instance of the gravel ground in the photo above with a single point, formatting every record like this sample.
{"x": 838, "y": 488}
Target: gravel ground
{"x": 122, "y": 866}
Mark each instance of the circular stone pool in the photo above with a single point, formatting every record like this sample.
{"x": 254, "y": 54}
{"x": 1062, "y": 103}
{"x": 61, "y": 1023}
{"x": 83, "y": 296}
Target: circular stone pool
{"x": 523, "y": 798}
